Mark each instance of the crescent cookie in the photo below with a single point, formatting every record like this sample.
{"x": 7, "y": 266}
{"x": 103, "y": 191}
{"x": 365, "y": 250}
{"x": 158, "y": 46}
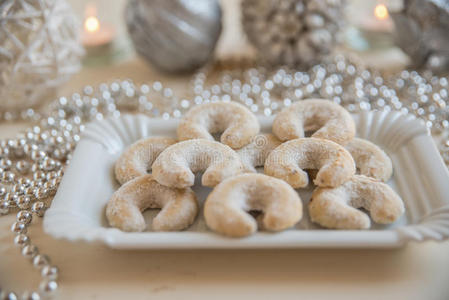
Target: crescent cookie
{"x": 328, "y": 119}
{"x": 237, "y": 123}
{"x": 255, "y": 153}
{"x": 179, "y": 207}
{"x": 137, "y": 159}
{"x": 176, "y": 165}
{"x": 290, "y": 159}
{"x": 337, "y": 207}
{"x": 227, "y": 206}
{"x": 370, "y": 160}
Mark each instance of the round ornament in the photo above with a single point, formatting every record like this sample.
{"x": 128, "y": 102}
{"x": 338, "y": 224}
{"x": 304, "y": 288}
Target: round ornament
{"x": 293, "y": 32}
{"x": 421, "y": 31}
{"x": 174, "y": 35}
{"x": 39, "y": 50}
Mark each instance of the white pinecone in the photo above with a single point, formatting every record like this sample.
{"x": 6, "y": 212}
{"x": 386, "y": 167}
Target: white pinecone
{"x": 293, "y": 32}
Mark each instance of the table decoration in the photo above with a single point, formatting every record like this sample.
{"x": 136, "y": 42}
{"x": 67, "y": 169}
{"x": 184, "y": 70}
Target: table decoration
{"x": 421, "y": 31}
{"x": 39, "y": 50}
{"x": 293, "y": 32}
{"x": 95, "y": 35}
{"x": 32, "y": 164}
{"x": 174, "y": 35}
{"x": 370, "y": 25}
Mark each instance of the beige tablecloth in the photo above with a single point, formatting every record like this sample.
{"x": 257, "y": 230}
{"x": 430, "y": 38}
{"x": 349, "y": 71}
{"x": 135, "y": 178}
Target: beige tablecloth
{"x": 419, "y": 271}
{"x": 88, "y": 271}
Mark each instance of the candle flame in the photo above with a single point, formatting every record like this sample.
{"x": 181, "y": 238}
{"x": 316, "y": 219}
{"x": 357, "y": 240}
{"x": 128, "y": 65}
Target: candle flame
{"x": 381, "y": 12}
{"x": 92, "y": 24}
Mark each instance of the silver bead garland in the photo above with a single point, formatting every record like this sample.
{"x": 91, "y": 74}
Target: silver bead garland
{"x": 32, "y": 164}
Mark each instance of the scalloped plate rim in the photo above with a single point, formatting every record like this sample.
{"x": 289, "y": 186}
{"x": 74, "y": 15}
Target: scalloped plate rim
{"x": 71, "y": 229}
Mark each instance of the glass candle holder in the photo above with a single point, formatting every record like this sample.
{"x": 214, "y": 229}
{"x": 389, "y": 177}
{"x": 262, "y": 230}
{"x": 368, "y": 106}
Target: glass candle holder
{"x": 103, "y": 32}
{"x": 370, "y": 24}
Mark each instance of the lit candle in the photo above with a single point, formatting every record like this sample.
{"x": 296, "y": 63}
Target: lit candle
{"x": 372, "y": 24}
{"x": 379, "y": 20}
{"x": 383, "y": 21}
{"x": 94, "y": 34}
{"x": 381, "y": 12}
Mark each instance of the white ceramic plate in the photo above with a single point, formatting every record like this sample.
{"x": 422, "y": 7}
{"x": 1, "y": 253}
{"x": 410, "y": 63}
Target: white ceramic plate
{"x": 420, "y": 177}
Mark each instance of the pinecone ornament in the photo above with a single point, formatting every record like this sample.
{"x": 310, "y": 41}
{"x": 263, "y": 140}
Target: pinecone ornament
{"x": 421, "y": 30}
{"x": 293, "y": 32}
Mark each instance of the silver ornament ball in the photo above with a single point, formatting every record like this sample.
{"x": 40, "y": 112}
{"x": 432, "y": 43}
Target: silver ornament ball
{"x": 174, "y": 35}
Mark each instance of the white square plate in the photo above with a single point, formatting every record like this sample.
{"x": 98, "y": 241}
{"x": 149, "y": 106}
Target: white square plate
{"x": 420, "y": 177}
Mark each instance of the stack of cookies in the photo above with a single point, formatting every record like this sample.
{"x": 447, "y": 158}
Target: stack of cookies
{"x": 348, "y": 173}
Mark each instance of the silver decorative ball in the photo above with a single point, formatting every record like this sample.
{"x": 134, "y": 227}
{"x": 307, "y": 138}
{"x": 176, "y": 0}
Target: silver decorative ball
{"x": 50, "y": 272}
{"x": 4, "y": 152}
{"x": 21, "y": 240}
{"x": 24, "y": 216}
{"x": 8, "y": 176}
{"x": 174, "y": 35}
{"x": 23, "y": 202}
{"x": 421, "y": 31}
{"x": 40, "y": 192}
{"x": 48, "y": 164}
{"x": 29, "y": 251}
{"x": 2, "y": 191}
{"x": 37, "y": 155}
{"x": 4, "y": 207}
{"x": 5, "y": 163}
{"x": 31, "y": 296}
{"x": 8, "y": 296}
{"x": 22, "y": 166}
{"x": 17, "y": 189}
{"x": 40, "y": 261}
{"x": 38, "y": 207}
{"x": 38, "y": 175}
{"x": 48, "y": 286}
{"x": 24, "y": 181}
{"x": 293, "y": 32}
{"x": 19, "y": 227}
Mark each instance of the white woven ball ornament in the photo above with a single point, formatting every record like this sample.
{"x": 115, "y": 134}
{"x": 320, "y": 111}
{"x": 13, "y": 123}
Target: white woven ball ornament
{"x": 39, "y": 50}
{"x": 293, "y": 32}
